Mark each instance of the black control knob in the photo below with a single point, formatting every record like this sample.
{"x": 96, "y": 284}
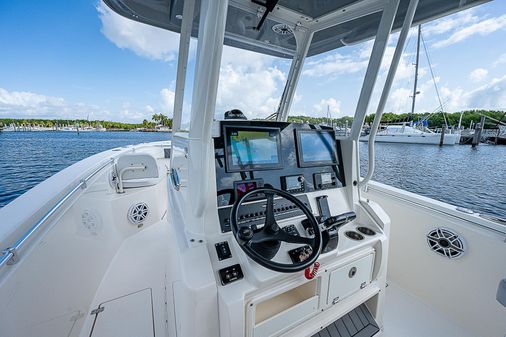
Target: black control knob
{"x": 245, "y": 233}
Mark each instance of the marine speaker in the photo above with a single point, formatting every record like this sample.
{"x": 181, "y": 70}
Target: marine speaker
{"x": 445, "y": 242}
{"x": 137, "y": 213}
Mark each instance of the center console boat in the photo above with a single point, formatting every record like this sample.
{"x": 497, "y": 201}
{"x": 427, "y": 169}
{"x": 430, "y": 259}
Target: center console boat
{"x": 249, "y": 227}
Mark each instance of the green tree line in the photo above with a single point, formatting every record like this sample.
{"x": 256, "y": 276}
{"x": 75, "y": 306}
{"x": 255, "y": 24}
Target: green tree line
{"x": 321, "y": 120}
{"x": 157, "y": 119}
{"x": 436, "y": 120}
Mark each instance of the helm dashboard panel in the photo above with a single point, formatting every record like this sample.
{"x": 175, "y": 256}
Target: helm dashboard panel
{"x": 293, "y": 157}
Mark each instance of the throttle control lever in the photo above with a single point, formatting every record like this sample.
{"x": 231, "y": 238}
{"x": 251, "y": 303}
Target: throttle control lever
{"x": 338, "y": 220}
{"x": 331, "y": 221}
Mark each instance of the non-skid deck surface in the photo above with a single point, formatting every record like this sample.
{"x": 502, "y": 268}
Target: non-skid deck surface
{"x": 407, "y": 316}
{"x": 356, "y": 323}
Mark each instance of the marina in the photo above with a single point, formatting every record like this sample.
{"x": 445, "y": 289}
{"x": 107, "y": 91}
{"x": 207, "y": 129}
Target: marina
{"x": 227, "y": 223}
{"x": 416, "y": 168}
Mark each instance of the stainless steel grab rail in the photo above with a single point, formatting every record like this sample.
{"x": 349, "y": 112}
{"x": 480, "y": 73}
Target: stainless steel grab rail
{"x": 10, "y": 255}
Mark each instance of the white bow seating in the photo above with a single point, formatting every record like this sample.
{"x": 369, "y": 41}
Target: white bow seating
{"x": 134, "y": 171}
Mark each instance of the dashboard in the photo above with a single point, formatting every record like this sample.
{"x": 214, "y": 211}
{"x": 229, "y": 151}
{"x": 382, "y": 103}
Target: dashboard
{"x": 296, "y": 158}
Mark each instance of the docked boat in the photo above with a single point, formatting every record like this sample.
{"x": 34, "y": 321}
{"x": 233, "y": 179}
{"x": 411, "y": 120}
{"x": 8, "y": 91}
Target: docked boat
{"x": 422, "y": 134}
{"x": 501, "y": 137}
{"x": 408, "y": 134}
{"x": 251, "y": 227}
{"x": 88, "y": 128}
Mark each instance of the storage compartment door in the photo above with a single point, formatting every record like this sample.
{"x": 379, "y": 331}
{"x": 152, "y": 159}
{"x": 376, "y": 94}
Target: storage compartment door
{"x": 286, "y": 309}
{"x": 286, "y": 318}
{"x": 127, "y": 316}
{"x": 346, "y": 280}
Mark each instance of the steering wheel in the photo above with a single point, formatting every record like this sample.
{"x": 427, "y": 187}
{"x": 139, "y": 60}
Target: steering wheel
{"x": 261, "y": 245}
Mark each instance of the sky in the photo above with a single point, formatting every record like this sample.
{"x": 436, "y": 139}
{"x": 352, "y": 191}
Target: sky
{"x": 78, "y": 59}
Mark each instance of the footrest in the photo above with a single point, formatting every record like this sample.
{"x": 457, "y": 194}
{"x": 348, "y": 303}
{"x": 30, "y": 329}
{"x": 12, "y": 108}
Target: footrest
{"x": 357, "y": 323}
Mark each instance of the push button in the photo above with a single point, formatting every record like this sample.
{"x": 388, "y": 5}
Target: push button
{"x": 223, "y": 250}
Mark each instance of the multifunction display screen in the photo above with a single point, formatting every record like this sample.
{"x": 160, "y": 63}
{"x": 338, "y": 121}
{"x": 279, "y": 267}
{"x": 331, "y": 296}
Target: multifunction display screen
{"x": 316, "y": 147}
{"x": 252, "y": 149}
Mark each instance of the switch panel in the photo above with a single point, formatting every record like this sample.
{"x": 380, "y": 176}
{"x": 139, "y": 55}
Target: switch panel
{"x": 223, "y": 250}
{"x": 231, "y": 274}
{"x": 292, "y": 230}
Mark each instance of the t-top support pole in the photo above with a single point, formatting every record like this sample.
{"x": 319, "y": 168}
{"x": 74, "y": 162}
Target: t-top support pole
{"x": 408, "y": 20}
{"x": 371, "y": 75}
{"x": 213, "y": 18}
{"x": 182, "y": 62}
{"x": 303, "y": 38}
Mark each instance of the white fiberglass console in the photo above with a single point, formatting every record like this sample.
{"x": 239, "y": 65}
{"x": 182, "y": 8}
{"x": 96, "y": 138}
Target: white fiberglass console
{"x": 294, "y": 254}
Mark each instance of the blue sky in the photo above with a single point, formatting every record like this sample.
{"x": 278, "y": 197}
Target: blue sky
{"x": 74, "y": 59}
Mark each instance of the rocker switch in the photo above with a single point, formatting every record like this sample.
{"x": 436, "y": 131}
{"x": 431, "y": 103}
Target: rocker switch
{"x": 223, "y": 250}
{"x": 230, "y": 274}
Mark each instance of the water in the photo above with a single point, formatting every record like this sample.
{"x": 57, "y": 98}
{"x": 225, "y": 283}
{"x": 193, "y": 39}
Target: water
{"x": 459, "y": 175}
{"x": 27, "y": 158}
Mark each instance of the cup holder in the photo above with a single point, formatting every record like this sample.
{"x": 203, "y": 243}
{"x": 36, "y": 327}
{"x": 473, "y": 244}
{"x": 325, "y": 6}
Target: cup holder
{"x": 366, "y": 231}
{"x": 354, "y": 235}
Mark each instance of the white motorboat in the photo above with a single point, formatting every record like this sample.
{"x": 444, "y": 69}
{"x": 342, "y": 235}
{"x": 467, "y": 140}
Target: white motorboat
{"x": 411, "y": 135}
{"x": 251, "y": 228}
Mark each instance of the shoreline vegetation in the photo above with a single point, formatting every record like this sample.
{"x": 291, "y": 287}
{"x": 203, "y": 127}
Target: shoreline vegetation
{"x": 434, "y": 120}
{"x": 160, "y": 122}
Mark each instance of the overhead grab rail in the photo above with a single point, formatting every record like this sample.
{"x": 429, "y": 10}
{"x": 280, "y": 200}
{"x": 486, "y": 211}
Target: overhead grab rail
{"x": 10, "y": 255}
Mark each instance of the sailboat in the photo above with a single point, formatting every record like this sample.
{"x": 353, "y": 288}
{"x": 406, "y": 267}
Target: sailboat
{"x": 251, "y": 228}
{"x": 406, "y": 132}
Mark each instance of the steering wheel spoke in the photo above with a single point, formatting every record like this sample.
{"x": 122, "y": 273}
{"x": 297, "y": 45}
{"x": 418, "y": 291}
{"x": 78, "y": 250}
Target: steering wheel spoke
{"x": 270, "y": 219}
{"x": 261, "y": 245}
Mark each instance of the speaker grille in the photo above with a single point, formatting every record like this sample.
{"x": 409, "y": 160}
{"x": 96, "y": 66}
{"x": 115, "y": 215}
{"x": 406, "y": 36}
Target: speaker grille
{"x": 446, "y": 243}
{"x": 137, "y": 213}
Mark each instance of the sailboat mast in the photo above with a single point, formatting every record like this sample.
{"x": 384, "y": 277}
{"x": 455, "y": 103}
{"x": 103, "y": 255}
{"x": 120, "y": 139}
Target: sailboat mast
{"x": 416, "y": 68}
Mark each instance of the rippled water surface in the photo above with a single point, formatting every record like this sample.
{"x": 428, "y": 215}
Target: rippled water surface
{"x": 27, "y": 158}
{"x": 459, "y": 175}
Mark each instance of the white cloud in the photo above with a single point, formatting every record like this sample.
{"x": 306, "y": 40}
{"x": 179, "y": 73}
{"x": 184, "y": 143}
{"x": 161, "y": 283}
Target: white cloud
{"x": 399, "y": 100}
{"x": 249, "y": 82}
{"x": 451, "y": 23}
{"x": 27, "y": 105}
{"x": 482, "y": 28}
{"x": 27, "y": 100}
{"x": 500, "y": 60}
{"x": 489, "y": 96}
{"x": 167, "y": 101}
{"x": 335, "y": 64}
{"x": 356, "y": 62}
{"x": 149, "y": 109}
{"x": 147, "y": 41}
{"x": 478, "y": 74}
{"x": 333, "y": 106}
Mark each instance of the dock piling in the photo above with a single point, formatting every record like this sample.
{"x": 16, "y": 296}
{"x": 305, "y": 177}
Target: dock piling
{"x": 477, "y": 132}
{"x": 442, "y": 139}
